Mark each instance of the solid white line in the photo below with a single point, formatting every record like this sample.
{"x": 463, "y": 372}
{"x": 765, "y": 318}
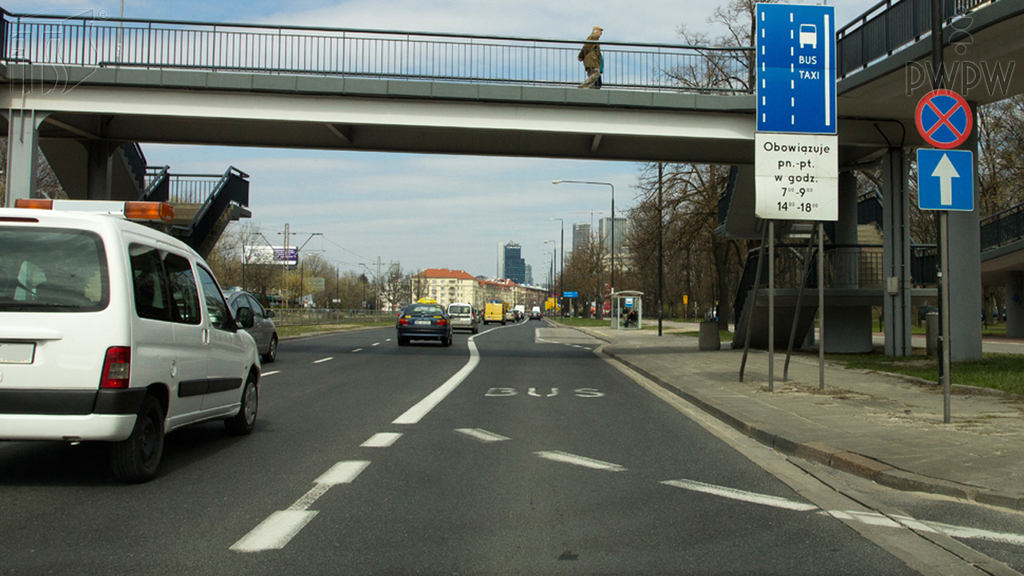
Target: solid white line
{"x": 482, "y": 435}
{"x": 328, "y": 359}
{"x": 381, "y": 440}
{"x": 977, "y": 533}
{"x": 274, "y": 532}
{"x": 423, "y": 407}
{"x": 740, "y": 495}
{"x": 271, "y": 373}
{"x": 357, "y": 350}
{"x": 559, "y": 456}
{"x": 342, "y": 472}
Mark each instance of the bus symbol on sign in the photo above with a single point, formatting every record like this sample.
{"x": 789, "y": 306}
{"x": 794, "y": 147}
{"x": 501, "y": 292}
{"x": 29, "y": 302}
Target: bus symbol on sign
{"x": 808, "y": 36}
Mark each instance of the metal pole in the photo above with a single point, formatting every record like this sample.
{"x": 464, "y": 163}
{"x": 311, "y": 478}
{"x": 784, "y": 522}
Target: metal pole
{"x": 613, "y": 240}
{"x": 821, "y": 305}
{"x": 938, "y": 81}
{"x": 661, "y": 253}
{"x": 944, "y": 376}
{"x": 805, "y": 275}
{"x": 748, "y": 310}
{"x": 771, "y": 306}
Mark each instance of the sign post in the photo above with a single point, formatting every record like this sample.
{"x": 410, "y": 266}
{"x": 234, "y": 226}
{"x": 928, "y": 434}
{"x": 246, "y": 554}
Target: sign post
{"x": 945, "y": 182}
{"x": 796, "y": 154}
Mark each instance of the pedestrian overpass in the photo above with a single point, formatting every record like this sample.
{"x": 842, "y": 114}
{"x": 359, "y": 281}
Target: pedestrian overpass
{"x": 83, "y": 87}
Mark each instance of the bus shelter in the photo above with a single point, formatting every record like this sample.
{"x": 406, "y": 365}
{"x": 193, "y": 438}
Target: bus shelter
{"x": 627, "y": 310}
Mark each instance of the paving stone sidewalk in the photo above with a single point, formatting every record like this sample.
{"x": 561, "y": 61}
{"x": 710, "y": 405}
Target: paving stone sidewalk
{"x": 879, "y": 426}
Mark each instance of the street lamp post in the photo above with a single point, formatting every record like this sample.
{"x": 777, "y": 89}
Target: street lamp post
{"x": 554, "y": 264}
{"x": 561, "y": 279}
{"x": 613, "y": 216}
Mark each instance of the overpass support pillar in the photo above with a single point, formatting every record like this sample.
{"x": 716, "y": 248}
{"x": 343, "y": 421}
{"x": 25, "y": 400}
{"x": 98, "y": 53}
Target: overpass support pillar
{"x": 896, "y": 252}
{"x": 100, "y": 167}
{"x": 22, "y": 152}
{"x": 965, "y": 270}
{"x": 1015, "y": 304}
{"x": 848, "y": 328}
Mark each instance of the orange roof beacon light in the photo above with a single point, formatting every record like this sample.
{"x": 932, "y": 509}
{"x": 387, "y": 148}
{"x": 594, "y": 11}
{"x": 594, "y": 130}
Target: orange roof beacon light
{"x": 128, "y": 210}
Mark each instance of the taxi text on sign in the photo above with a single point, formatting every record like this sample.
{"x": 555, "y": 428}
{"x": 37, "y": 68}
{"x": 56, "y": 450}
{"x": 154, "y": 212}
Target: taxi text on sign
{"x": 796, "y": 160}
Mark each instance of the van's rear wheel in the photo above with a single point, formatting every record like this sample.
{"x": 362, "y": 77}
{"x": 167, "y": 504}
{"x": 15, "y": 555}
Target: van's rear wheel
{"x": 136, "y": 459}
{"x": 242, "y": 423}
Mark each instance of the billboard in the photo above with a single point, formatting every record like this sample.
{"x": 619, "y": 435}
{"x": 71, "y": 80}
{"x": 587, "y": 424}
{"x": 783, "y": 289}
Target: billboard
{"x": 272, "y": 255}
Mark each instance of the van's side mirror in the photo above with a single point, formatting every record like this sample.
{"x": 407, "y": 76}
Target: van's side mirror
{"x": 244, "y": 317}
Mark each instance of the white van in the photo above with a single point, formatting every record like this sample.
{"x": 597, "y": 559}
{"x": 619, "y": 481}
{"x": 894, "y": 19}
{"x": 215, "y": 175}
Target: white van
{"x": 113, "y": 331}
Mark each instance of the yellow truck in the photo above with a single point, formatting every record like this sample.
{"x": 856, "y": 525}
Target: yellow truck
{"x": 494, "y": 312}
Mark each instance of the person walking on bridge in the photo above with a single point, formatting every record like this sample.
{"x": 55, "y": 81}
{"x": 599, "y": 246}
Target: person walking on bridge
{"x": 593, "y": 63}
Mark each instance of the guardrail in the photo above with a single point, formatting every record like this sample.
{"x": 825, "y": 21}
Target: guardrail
{"x": 90, "y": 42}
{"x": 310, "y": 316}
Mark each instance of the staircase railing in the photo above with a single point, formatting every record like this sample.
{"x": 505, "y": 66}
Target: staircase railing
{"x": 231, "y": 188}
{"x": 136, "y": 162}
{"x": 157, "y": 185}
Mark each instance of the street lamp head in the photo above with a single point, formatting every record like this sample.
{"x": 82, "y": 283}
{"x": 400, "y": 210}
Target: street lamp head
{"x": 557, "y": 181}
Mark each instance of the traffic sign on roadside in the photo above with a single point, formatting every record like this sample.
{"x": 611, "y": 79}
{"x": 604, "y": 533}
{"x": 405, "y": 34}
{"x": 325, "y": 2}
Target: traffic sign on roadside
{"x": 945, "y": 179}
{"x": 943, "y": 119}
{"x": 796, "y": 73}
{"x": 570, "y": 294}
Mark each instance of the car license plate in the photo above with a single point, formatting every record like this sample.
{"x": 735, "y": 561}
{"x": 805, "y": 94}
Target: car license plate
{"x": 17, "y": 352}
{"x": 424, "y": 322}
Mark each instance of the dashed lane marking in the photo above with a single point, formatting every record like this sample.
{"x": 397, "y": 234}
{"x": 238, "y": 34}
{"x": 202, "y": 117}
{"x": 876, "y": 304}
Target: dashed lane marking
{"x": 482, "y": 435}
{"x": 381, "y": 440}
{"x": 328, "y": 359}
{"x": 565, "y": 457}
{"x": 375, "y": 344}
{"x": 279, "y": 528}
{"x": 271, "y": 373}
{"x": 357, "y": 350}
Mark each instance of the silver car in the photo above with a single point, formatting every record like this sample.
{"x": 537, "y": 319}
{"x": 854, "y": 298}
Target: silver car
{"x": 263, "y": 330}
{"x": 464, "y": 317}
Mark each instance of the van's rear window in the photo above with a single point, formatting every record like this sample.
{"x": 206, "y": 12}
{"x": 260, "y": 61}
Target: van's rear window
{"x": 52, "y": 270}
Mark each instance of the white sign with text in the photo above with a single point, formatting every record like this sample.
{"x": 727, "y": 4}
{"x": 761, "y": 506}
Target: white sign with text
{"x": 796, "y": 176}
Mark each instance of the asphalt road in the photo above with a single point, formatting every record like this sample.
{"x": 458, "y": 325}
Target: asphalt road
{"x": 518, "y": 451}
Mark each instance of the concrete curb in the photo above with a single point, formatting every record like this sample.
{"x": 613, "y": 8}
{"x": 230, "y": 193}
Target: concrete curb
{"x": 849, "y": 462}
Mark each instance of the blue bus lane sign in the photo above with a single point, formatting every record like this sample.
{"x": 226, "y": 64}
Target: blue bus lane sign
{"x": 796, "y": 74}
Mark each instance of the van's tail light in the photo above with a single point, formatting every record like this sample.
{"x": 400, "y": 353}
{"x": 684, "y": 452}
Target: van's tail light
{"x": 116, "y": 367}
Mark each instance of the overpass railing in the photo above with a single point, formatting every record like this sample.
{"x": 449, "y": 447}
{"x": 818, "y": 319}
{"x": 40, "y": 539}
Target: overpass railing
{"x": 888, "y": 26}
{"x": 85, "y": 41}
{"x": 1002, "y": 228}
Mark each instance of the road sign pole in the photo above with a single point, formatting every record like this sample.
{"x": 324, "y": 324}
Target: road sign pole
{"x": 942, "y": 220}
{"x": 944, "y": 333}
{"x": 771, "y": 305}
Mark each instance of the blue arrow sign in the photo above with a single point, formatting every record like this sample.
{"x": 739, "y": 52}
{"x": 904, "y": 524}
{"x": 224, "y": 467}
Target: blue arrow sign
{"x": 796, "y": 73}
{"x": 945, "y": 179}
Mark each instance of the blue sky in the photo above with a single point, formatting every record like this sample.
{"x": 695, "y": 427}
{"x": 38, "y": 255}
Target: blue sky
{"x": 424, "y": 211}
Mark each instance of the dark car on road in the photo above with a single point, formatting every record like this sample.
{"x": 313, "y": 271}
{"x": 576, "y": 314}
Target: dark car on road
{"x": 263, "y": 330}
{"x": 424, "y": 321}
